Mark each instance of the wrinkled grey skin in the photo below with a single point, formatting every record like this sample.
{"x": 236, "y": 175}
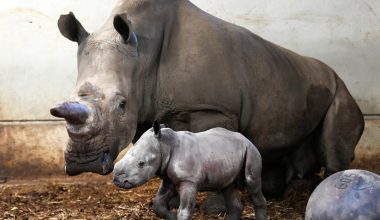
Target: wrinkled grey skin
{"x": 346, "y": 195}
{"x": 216, "y": 159}
{"x": 171, "y": 61}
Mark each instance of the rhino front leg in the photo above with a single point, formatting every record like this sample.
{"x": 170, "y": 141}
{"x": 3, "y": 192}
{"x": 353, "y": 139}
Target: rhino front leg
{"x": 187, "y": 195}
{"x": 161, "y": 201}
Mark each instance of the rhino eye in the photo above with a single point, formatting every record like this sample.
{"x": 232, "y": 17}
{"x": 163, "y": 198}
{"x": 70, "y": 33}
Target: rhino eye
{"x": 122, "y": 104}
{"x": 141, "y": 164}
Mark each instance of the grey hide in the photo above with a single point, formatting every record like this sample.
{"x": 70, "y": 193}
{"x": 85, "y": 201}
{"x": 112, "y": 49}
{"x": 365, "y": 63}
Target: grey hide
{"x": 171, "y": 61}
{"x": 216, "y": 159}
{"x": 346, "y": 195}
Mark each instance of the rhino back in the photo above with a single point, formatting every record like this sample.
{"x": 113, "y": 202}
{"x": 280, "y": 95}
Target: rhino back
{"x": 212, "y": 159}
{"x": 214, "y": 64}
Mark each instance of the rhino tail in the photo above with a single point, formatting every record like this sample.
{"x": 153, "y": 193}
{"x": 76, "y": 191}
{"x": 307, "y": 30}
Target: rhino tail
{"x": 253, "y": 167}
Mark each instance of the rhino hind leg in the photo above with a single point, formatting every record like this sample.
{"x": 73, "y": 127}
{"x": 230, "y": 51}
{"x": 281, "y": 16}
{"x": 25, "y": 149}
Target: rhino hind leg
{"x": 341, "y": 130}
{"x": 214, "y": 204}
{"x": 303, "y": 162}
{"x": 233, "y": 203}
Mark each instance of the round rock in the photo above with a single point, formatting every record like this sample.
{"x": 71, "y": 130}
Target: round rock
{"x": 350, "y": 194}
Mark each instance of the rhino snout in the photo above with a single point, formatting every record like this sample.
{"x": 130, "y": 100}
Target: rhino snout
{"x": 120, "y": 178}
{"x": 122, "y": 181}
{"x": 107, "y": 163}
{"x": 102, "y": 165}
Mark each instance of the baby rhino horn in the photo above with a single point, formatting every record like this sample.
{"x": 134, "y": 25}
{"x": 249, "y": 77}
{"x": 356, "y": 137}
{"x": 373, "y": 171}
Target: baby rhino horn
{"x": 156, "y": 129}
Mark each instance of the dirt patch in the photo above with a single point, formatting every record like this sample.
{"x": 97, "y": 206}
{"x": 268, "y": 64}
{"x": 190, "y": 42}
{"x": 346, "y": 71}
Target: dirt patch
{"x": 103, "y": 200}
{"x": 94, "y": 197}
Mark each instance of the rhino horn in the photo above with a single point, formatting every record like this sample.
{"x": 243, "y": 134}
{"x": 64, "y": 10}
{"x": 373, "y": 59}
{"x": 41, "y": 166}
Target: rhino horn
{"x": 72, "y": 112}
{"x": 157, "y": 129}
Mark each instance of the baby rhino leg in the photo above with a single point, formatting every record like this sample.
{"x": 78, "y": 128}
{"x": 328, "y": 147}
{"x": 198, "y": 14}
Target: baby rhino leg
{"x": 161, "y": 201}
{"x": 233, "y": 203}
{"x": 187, "y": 195}
{"x": 253, "y": 182}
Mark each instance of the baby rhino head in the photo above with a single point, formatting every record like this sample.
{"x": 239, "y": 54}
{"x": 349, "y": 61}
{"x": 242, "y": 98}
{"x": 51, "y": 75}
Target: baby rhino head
{"x": 141, "y": 162}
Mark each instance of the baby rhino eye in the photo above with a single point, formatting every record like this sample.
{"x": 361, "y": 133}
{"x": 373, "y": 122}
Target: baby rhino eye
{"x": 141, "y": 164}
{"x": 122, "y": 104}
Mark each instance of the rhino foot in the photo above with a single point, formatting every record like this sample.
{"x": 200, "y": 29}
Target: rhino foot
{"x": 302, "y": 185}
{"x": 174, "y": 202}
{"x": 273, "y": 181}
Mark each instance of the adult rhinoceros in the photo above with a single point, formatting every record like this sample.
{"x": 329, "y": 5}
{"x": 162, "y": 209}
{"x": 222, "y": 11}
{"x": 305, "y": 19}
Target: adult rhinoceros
{"x": 171, "y": 61}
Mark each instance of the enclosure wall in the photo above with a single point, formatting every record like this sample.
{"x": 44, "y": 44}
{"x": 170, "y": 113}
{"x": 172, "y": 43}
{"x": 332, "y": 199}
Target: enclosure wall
{"x": 38, "y": 65}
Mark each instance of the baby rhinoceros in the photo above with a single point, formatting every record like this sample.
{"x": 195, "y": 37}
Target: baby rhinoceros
{"x": 216, "y": 159}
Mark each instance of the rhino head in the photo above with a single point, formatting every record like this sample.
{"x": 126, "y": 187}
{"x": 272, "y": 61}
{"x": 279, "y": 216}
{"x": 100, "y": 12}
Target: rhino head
{"x": 102, "y": 113}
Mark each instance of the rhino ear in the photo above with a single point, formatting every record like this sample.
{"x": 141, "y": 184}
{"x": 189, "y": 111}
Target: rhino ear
{"x": 123, "y": 27}
{"x": 71, "y": 28}
{"x": 157, "y": 129}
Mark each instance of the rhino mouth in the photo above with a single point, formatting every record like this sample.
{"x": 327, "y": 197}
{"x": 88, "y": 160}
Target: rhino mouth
{"x": 100, "y": 164}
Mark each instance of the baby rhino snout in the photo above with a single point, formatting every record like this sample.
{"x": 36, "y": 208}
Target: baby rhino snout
{"x": 118, "y": 171}
{"x": 117, "y": 168}
{"x": 120, "y": 175}
{"x": 120, "y": 180}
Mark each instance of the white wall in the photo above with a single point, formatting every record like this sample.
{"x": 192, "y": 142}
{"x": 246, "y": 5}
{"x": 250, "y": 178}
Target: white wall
{"x": 345, "y": 34}
{"x": 38, "y": 65}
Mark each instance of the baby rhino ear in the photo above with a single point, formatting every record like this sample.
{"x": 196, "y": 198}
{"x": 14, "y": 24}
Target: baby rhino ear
{"x": 157, "y": 129}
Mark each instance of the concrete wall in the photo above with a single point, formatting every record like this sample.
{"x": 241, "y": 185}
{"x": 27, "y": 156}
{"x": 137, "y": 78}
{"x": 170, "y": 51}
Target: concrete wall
{"x": 38, "y": 65}
{"x": 345, "y": 34}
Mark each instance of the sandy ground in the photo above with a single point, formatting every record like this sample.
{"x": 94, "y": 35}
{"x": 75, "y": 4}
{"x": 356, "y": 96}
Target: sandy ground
{"x": 94, "y": 197}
